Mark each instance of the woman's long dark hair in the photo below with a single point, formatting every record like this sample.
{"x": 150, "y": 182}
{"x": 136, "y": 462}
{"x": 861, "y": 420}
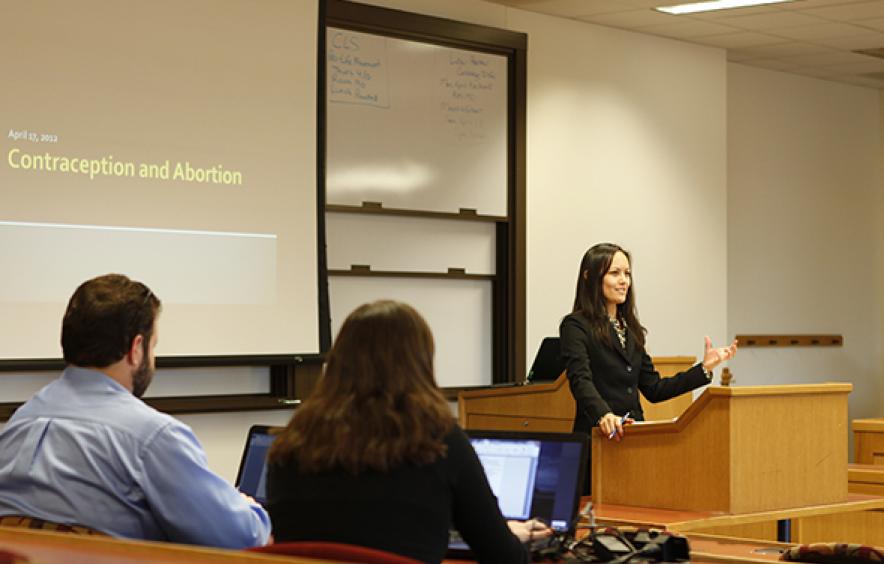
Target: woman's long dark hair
{"x": 590, "y": 302}
{"x": 377, "y": 405}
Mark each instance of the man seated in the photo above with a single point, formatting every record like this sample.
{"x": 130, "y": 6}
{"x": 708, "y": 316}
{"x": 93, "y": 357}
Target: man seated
{"x": 85, "y": 450}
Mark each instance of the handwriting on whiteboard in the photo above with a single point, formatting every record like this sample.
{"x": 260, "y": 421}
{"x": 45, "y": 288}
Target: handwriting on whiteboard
{"x": 469, "y": 85}
{"x": 357, "y": 69}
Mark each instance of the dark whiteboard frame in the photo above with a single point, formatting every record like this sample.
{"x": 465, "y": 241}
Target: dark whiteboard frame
{"x": 281, "y": 395}
{"x": 508, "y": 287}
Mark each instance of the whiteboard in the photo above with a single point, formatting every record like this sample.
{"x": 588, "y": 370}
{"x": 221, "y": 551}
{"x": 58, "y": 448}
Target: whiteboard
{"x": 457, "y": 311}
{"x": 414, "y": 125}
{"x": 409, "y": 244}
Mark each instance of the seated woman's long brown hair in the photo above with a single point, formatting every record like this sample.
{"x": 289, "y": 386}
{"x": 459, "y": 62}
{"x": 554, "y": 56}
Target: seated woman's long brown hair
{"x": 377, "y": 405}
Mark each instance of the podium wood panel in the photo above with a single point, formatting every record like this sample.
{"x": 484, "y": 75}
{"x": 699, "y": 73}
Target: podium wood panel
{"x": 549, "y": 406}
{"x": 735, "y": 450}
{"x": 868, "y": 441}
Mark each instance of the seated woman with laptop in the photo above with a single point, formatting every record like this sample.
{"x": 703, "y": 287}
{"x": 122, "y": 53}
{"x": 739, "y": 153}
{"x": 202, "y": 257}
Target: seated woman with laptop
{"x": 375, "y": 458}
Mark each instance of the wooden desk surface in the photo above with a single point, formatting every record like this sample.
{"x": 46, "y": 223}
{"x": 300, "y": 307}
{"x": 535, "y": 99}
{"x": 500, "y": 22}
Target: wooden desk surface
{"x": 872, "y": 424}
{"x": 45, "y": 547}
{"x": 691, "y": 520}
{"x": 872, "y": 473}
{"x": 712, "y": 548}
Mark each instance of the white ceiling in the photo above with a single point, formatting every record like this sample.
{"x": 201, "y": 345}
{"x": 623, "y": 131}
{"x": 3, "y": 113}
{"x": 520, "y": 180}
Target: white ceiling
{"x": 810, "y": 37}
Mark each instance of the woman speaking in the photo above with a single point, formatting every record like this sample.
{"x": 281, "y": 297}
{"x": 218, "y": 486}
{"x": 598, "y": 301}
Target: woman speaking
{"x": 603, "y": 347}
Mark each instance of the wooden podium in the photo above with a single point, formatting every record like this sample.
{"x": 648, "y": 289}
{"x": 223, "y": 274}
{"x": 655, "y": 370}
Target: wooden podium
{"x": 549, "y": 407}
{"x": 734, "y": 450}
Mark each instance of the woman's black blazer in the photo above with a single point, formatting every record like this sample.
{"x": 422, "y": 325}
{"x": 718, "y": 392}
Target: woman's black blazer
{"x": 608, "y": 378}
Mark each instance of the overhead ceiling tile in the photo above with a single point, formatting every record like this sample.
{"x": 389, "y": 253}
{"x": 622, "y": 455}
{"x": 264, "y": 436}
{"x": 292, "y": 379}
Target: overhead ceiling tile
{"x": 789, "y": 49}
{"x": 515, "y": 3}
{"x": 868, "y": 40}
{"x": 875, "y": 23}
{"x": 809, "y": 4}
{"x": 872, "y": 76}
{"x": 772, "y": 20}
{"x": 688, "y": 29}
{"x": 849, "y": 12}
{"x": 861, "y": 81}
{"x": 739, "y": 40}
{"x": 815, "y": 72}
{"x": 736, "y": 56}
{"x": 572, "y": 8}
{"x": 733, "y": 12}
{"x": 651, "y": 3}
{"x": 819, "y": 34}
{"x": 775, "y": 64}
{"x": 873, "y": 65}
{"x": 827, "y": 59}
{"x": 817, "y": 31}
{"x": 631, "y": 19}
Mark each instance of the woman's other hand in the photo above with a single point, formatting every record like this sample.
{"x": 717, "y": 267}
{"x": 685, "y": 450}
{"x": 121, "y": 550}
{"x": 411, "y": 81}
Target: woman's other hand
{"x": 613, "y": 425}
{"x": 712, "y": 357}
{"x": 530, "y": 530}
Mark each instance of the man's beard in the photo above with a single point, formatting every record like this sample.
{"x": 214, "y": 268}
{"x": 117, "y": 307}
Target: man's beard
{"x": 143, "y": 375}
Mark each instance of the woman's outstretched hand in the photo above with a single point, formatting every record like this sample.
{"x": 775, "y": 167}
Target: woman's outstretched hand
{"x": 715, "y": 356}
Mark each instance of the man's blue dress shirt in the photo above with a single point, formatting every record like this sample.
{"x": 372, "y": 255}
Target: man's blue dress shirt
{"x": 85, "y": 451}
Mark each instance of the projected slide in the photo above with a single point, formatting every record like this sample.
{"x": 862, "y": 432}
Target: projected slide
{"x": 171, "y": 141}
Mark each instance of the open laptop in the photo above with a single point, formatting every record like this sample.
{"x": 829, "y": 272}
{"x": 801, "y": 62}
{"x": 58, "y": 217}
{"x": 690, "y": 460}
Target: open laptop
{"x": 533, "y": 475}
{"x": 251, "y": 478}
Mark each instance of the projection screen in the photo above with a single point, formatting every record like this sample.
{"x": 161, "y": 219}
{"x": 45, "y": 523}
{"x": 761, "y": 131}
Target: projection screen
{"x": 171, "y": 141}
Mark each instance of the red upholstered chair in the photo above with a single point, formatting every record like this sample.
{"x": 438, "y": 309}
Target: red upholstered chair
{"x": 335, "y": 551}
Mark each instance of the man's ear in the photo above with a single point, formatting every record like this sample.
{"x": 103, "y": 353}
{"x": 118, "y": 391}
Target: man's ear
{"x": 136, "y": 350}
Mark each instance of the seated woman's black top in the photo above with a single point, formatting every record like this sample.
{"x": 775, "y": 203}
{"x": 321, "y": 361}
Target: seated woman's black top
{"x": 408, "y": 511}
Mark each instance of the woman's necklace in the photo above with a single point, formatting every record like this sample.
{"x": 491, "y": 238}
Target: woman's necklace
{"x": 620, "y": 329}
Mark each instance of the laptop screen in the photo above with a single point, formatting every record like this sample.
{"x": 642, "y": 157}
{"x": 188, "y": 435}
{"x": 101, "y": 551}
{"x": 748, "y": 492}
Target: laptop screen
{"x": 534, "y": 474}
{"x": 252, "y": 475}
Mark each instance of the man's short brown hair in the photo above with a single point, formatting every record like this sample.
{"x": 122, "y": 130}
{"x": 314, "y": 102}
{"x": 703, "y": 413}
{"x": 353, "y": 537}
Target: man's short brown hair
{"x": 103, "y": 317}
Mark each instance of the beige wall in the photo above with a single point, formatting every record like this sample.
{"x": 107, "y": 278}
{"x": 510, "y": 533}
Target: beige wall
{"x": 880, "y": 207}
{"x": 803, "y": 229}
{"x": 626, "y": 143}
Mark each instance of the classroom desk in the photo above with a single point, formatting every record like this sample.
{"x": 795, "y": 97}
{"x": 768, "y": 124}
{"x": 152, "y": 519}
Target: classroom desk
{"x": 865, "y": 478}
{"x": 696, "y": 521}
{"x": 714, "y": 548}
{"x": 46, "y": 547}
{"x": 868, "y": 440}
